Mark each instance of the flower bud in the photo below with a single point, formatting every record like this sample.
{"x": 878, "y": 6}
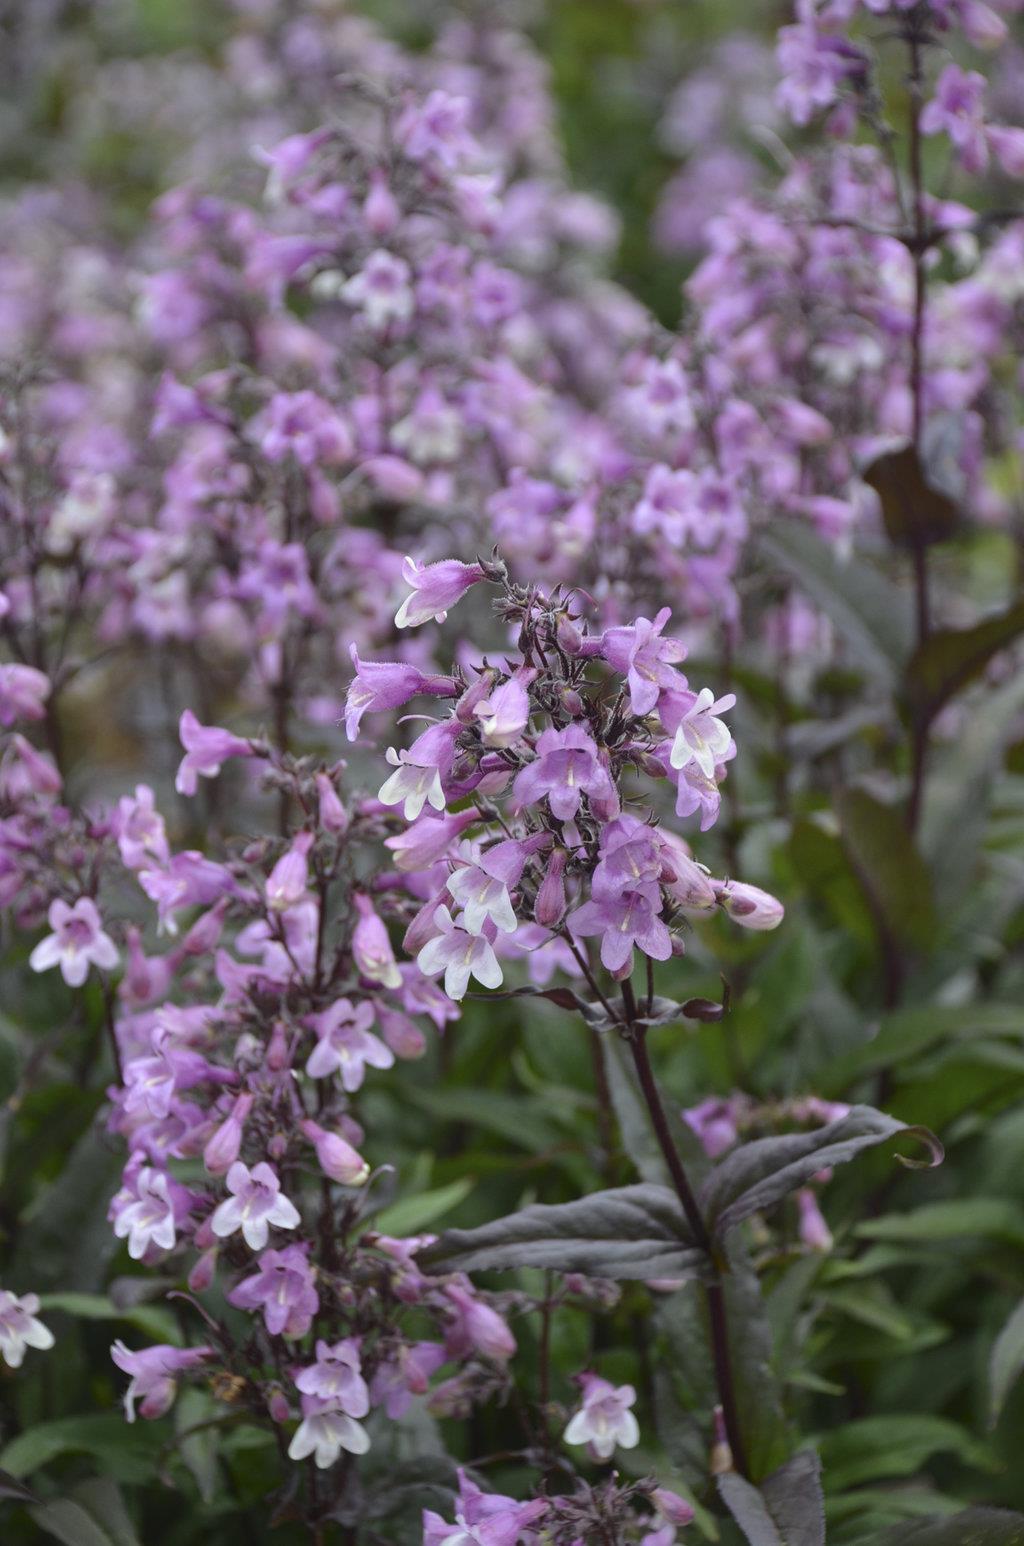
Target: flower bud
{"x": 223, "y": 1147}
{"x": 277, "y": 1406}
{"x": 333, "y": 815}
{"x": 287, "y": 881}
{"x": 549, "y": 908}
{"x": 205, "y": 932}
{"x": 814, "y": 1232}
{"x": 568, "y": 635}
{"x": 401, "y": 1034}
{"x": 674, "y": 1509}
{"x": 204, "y": 1271}
{"x": 380, "y": 209}
{"x": 749, "y": 906}
{"x": 277, "y": 1048}
{"x": 336, "y": 1158}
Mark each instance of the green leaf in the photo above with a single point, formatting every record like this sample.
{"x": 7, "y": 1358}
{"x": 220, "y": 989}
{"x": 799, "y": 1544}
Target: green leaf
{"x": 786, "y": 1510}
{"x": 128, "y": 1453}
{"x": 868, "y": 610}
{"x": 888, "y": 866}
{"x": 868, "y": 1448}
{"x": 759, "y": 1174}
{"x": 630, "y": 1232}
{"x": 958, "y": 790}
{"x": 412, "y": 1215}
{"x": 910, "y": 1031}
{"x": 995, "y": 1218}
{"x": 1006, "y": 1363}
{"x": 914, "y": 511}
{"x": 972, "y": 1527}
{"x": 154, "y": 1320}
{"x": 952, "y": 658}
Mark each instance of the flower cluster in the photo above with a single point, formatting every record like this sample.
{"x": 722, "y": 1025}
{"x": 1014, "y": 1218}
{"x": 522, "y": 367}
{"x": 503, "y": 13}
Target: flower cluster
{"x": 560, "y": 748}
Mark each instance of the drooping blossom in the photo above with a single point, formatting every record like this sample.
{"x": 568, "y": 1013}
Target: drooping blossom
{"x": 207, "y": 748}
{"x": 435, "y": 590}
{"x": 154, "y": 1375}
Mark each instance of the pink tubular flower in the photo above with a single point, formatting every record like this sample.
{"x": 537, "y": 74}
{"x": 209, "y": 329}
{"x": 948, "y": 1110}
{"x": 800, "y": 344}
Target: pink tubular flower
{"x": 567, "y": 767}
{"x": 956, "y": 109}
{"x": 345, "y": 1044}
{"x": 23, "y": 691}
{"x": 19, "y": 1327}
{"x": 387, "y": 684}
{"x": 476, "y": 1327}
{"x": 604, "y": 1420}
{"x": 505, "y": 714}
{"x": 206, "y": 748}
{"x": 428, "y": 839}
{"x": 154, "y": 1373}
{"x": 631, "y": 918}
{"x": 749, "y": 906}
{"x": 460, "y": 955}
{"x": 336, "y": 1377}
{"x": 287, "y": 881}
{"x": 77, "y": 941}
{"x": 283, "y": 1289}
{"x": 371, "y": 945}
{"x": 256, "y": 1203}
{"x": 336, "y": 1156}
{"x": 141, "y": 836}
{"x": 814, "y": 1232}
{"x": 483, "y": 1519}
{"x": 714, "y": 1122}
{"x": 222, "y": 1148}
{"x": 645, "y": 659}
{"x": 397, "y": 1380}
{"x": 435, "y": 588}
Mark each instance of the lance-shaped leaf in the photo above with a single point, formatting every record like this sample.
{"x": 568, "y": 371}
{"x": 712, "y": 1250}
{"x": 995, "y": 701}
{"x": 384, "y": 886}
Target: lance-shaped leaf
{"x": 915, "y": 511}
{"x": 630, "y": 1232}
{"x": 972, "y": 1527}
{"x": 868, "y": 610}
{"x": 888, "y": 867}
{"x": 786, "y": 1510}
{"x": 952, "y": 658}
{"x": 759, "y": 1174}
{"x": 1006, "y": 1363}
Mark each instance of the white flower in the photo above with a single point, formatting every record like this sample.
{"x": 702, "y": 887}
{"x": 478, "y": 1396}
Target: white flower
{"x": 19, "y": 1328}
{"x": 324, "y": 1434}
{"x": 700, "y": 737}
{"x": 256, "y": 1203}
{"x": 381, "y": 289}
{"x": 481, "y": 896}
{"x": 414, "y": 783}
{"x": 604, "y": 1420}
{"x": 459, "y": 955}
{"x": 149, "y": 1217}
